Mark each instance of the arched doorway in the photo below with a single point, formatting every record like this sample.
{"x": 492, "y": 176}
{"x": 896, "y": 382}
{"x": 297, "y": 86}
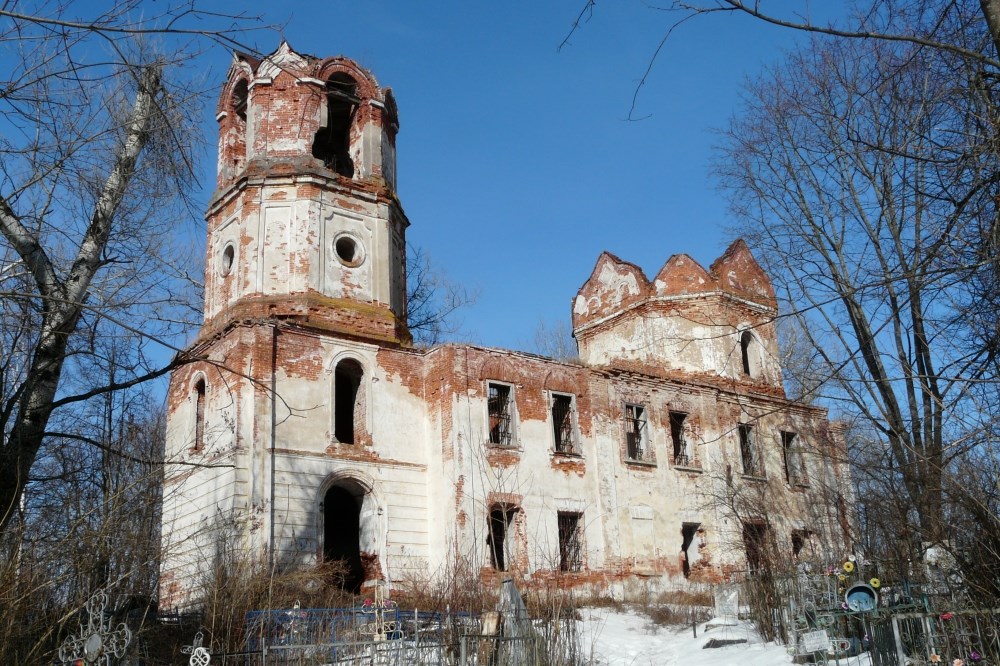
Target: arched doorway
{"x": 342, "y": 533}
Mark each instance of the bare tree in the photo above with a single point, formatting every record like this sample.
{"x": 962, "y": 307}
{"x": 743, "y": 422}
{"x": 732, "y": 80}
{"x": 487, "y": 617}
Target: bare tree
{"x": 96, "y": 171}
{"x": 432, "y": 299}
{"x": 850, "y": 171}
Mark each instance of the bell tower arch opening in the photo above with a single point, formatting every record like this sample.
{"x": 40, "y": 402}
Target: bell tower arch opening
{"x": 332, "y": 142}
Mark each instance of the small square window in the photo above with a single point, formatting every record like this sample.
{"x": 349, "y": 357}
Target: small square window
{"x": 570, "y": 541}
{"x": 748, "y": 452}
{"x": 636, "y": 434}
{"x": 500, "y": 407}
{"x": 563, "y": 413}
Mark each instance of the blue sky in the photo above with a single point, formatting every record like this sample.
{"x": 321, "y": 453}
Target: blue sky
{"x": 516, "y": 164}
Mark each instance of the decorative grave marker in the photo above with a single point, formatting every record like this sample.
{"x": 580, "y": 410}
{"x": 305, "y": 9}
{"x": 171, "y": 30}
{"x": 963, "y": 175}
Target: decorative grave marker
{"x": 200, "y": 656}
{"x": 97, "y": 642}
{"x": 379, "y": 628}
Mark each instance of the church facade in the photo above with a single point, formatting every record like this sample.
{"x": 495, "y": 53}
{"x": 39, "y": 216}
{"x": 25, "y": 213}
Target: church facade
{"x": 305, "y": 426}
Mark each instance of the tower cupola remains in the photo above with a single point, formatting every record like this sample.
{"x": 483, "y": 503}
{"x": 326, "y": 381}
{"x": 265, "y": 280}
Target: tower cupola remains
{"x": 305, "y": 222}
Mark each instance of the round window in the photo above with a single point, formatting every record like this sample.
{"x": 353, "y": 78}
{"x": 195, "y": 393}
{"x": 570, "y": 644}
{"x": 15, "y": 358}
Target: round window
{"x": 228, "y": 257}
{"x": 348, "y": 250}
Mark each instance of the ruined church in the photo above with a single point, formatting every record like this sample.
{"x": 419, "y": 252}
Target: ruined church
{"x": 306, "y": 427}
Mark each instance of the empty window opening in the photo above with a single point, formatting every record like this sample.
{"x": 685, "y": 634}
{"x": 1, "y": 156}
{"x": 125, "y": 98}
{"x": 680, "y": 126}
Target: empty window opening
{"x": 342, "y": 536}
{"x": 347, "y": 250}
{"x": 562, "y": 423}
{"x": 746, "y": 341}
{"x": 756, "y": 536}
{"x": 500, "y": 408}
{"x": 501, "y": 518}
{"x": 199, "y": 415}
{"x": 348, "y": 398}
{"x": 636, "y": 437}
{"x": 240, "y": 96}
{"x": 688, "y": 557}
{"x": 228, "y": 257}
{"x": 681, "y": 455}
{"x": 748, "y": 452}
{"x": 801, "y": 543}
{"x": 795, "y": 471}
{"x": 570, "y": 541}
{"x": 333, "y": 141}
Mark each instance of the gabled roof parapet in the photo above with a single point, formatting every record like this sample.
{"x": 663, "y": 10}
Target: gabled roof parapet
{"x": 739, "y": 273}
{"x": 613, "y": 286}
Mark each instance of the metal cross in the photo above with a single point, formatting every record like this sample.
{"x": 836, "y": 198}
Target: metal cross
{"x": 380, "y": 628}
{"x": 97, "y": 642}
{"x": 200, "y": 656}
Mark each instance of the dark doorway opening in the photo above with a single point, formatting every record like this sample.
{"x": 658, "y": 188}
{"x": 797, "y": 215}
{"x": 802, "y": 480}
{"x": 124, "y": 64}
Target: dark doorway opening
{"x": 342, "y": 535}
{"x": 756, "y": 537}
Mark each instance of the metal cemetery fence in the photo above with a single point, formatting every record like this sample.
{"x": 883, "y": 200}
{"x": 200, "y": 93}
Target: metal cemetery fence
{"x": 828, "y": 616}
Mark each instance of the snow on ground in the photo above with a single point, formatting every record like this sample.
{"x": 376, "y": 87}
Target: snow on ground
{"x": 616, "y": 638}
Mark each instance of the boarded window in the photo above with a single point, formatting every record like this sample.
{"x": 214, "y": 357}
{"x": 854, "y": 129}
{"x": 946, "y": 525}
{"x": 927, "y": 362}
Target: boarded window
{"x": 501, "y": 517}
{"x": 570, "y": 541}
{"x": 795, "y": 469}
{"x": 636, "y": 435}
{"x": 347, "y": 400}
{"x": 748, "y": 452}
{"x": 681, "y": 455}
{"x": 199, "y": 415}
{"x": 562, "y": 423}
{"x": 500, "y": 407}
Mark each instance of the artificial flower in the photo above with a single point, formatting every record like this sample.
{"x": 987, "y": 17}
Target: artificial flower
{"x": 935, "y": 658}
{"x": 975, "y": 656}
{"x": 958, "y": 662}
{"x": 946, "y": 617}
{"x": 848, "y": 566}
{"x": 851, "y": 558}
{"x": 875, "y": 582}
{"x": 842, "y": 577}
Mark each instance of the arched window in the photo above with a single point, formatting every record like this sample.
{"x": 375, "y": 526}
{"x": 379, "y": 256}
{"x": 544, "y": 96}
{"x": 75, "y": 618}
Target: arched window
{"x": 348, "y": 397}
{"x": 333, "y": 141}
{"x": 241, "y": 93}
{"x": 746, "y": 342}
{"x": 199, "y": 415}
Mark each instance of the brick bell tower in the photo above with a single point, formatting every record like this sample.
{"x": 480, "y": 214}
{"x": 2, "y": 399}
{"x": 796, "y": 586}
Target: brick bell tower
{"x": 269, "y": 420}
{"x": 305, "y": 224}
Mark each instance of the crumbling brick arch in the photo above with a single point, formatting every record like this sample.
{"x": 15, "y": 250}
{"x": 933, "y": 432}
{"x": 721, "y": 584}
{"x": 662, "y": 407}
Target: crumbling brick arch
{"x": 351, "y": 525}
{"x": 345, "y": 109}
{"x": 350, "y": 399}
{"x": 232, "y": 114}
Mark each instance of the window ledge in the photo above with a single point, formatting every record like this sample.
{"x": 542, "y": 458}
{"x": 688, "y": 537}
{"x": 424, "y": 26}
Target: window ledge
{"x": 689, "y": 468}
{"x": 567, "y": 454}
{"x": 754, "y": 477}
{"x": 799, "y": 484}
{"x": 639, "y": 463}
{"x": 502, "y": 447}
